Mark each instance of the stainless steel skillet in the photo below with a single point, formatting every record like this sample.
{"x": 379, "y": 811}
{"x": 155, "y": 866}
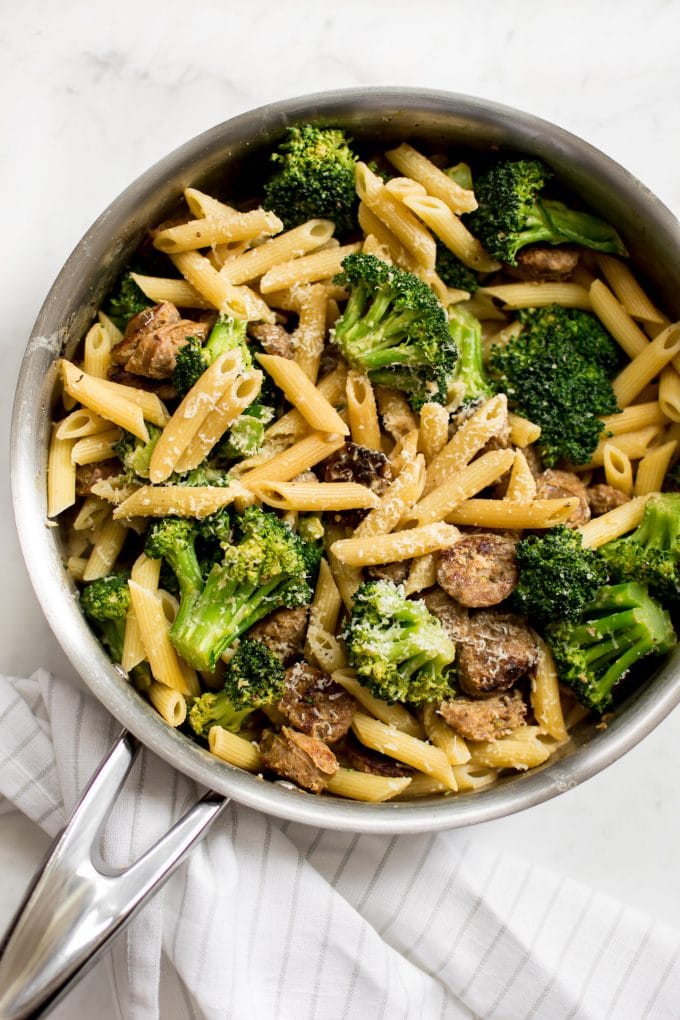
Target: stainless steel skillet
{"x": 84, "y": 908}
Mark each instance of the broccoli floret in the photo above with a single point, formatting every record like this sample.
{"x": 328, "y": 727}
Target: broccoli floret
{"x": 511, "y": 214}
{"x": 468, "y": 381}
{"x": 193, "y": 358}
{"x": 125, "y": 300}
{"x": 254, "y": 677}
{"x": 105, "y": 603}
{"x": 398, "y": 648}
{"x": 582, "y": 330}
{"x": 314, "y": 177}
{"x": 461, "y": 174}
{"x": 550, "y": 382}
{"x": 173, "y": 539}
{"x": 651, "y": 553}
{"x": 265, "y": 569}
{"x": 453, "y": 272}
{"x": 619, "y": 627}
{"x": 395, "y": 329}
{"x": 557, "y": 575}
{"x": 246, "y": 435}
{"x": 311, "y": 528}
{"x": 134, "y": 454}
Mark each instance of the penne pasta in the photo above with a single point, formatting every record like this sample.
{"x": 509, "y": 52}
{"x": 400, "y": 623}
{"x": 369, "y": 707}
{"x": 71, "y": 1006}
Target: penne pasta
{"x": 396, "y": 501}
{"x": 179, "y": 292}
{"x": 486, "y": 422}
{"x": 618, "y": 470}
{"x": 522, "y": 484}
{"x": 399, "y": 546}
{"x": 523, "y": 749}
{"x": 408, "y": 230}
{"x": 467, "y": 482}
{"x": 434, "y": 430}
{"x": 80, "y": 423}
{"x": 315, "y": 496}
{"x": 211, "y": 230}
{"x": 177, "y": 500}
{"x": 545, "y": 694}
{"x": 669, "y": 393}
{"x": 443, "y": 737}
{"x": 634, "y": 418}
{"x": 613, "y": 524}
{"x": 169, "y": 703}
{"x": 219, "y": 291}
{"x": 402, "y": 747}
{"x": 100, "y": 446}
{"x": 234, "y": 749}
{"x": 422, "y": 574}
{"x": 616, "y": 319}
{"x": 96, "y": 394}
{"x": 240, "y": 392}
{"x": 292, "y": 425}
{"x": 320, "y": 265}
{"x": 365, "y": 786}
{"x": 303, "y": 394}
{"x": 160, "y": 653}
{"x": 97, "y": 351}
{"x": 393, "y": 715}
{"x": 310, "y": 335}
{"x": 626, "y": 288}
{"x": 287, "y": 246}
{"x": 362, "y": 411}
{"x": 646, "y": 365}
{"x": 451, "y": 231}
{"x": 61, "y": 475}
{"x": 105, "y": 551}
{"x": 652, "y": 469}
{"x": 537, "y": 295}
{"x": 633, "y": 444}
{"x": 298, "y": 458}
{"x": 522, "y": 431}
{"x": 413, "y": 164}
{"x": 505, "y": 513}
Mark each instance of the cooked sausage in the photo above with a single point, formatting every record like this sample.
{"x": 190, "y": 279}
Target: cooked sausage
{"x": 603, "y": 498}
{"x": 273, "y": 337}
{"x": 152, "y": 339}
{"x": 305, "y": 760}
{"x": 496, "y": 652}
{"x": 316, "y": 704}
{"x": 396, "y": 572}
{"x": 354, "y": 463}
{"x": 283, "y": 632}
{"x": 558, "y": 484}
{"x": 88, "y": 475}
{"x": 453, "y": 617}
{"x": 363, "y": 759}
{"x": 478, "y": 570}
{"x": 484, "y": 720}
{"x": 545, "y": 263}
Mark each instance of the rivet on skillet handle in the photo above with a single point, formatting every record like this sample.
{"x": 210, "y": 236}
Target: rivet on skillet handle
{"x": 74, "y": 906}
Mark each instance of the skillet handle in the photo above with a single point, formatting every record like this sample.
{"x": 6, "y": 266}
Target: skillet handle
{"x": 74, "y": 907}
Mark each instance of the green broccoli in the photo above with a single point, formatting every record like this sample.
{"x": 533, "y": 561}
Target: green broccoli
{"x": 582, "y": 330}
{"x": 105, "y": 603}
{"x": 395, "y": 329}
{"x": 619, "y": 627}
{"x": 512, "y": 214}
{"x": 125, "y": 300}
{"x": 399, "y": 649}
{"x": 651, "y": 553}
{"x": 246, "y": 435}
{"x": 461, "y": 174}
{"x": 266, "y": 568}
{"x": 453, "y": 272}
{"x": 193, "y": 357}
{"x": 549, "y": 381}
{"x": 134, "y": 454}
{"x": 557, "y": 575}
{"x": 314, "y": 178}
{"x": 468, "y": 381}
{"x": 254, "y": 677}
{"x": 188, "y": 549}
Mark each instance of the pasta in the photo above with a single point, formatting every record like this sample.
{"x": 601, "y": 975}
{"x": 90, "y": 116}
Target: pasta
{"x": 346, "y": 511}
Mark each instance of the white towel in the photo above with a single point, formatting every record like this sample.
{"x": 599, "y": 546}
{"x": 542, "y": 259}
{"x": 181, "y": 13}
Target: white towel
{"x": 272, "y": 920}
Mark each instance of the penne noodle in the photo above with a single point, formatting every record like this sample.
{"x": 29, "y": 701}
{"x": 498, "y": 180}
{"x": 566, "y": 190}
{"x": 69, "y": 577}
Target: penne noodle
{"x": 114, "y": 334}
{"x": 669, "y": 393}
{"x": 466, "y": 483}
{"x": 396, "y": 501}
{"x": 522, "y": 431}
{"x": 145, "y": 572}
{"x": 422, "y": 574}
{"x": 234, "y": 749}
{"x": 239, "y": 302}
{"x": 646, "y": 365}
{"x": 634, "y": 418}
{"x": 61, "y": 475}
{"x": 413, "y": 164}
{"x": 523, "y": 749}
{"x": 545, "y": 694}
{"x": 178, "y": 500}
{"x": 320, "y": 265}
{"x": 537, "y": 295}
{"x": 402, "y": 747}
{"x": 240, "y": 393}
{"x": 417, "y": 241}
{"x": 287, "y": 246}
{"x": 618, "y": 470}
{"x": 169, "y": 703}
{"x": 91, "y": 449}
{"x": 362, "y": 411}
{"x": 443, "y": 737}
{"x": 297, "y": 458}
{"x": 153, "y": 409}
{"x": 324, "y": 649}
{"x": 95, "y": 394}
{"x": 403, "y": 452}
{"x": 613, "y": 524}
{"x": 451, "y": 231}
{"x": 627, "y": 289}
{"x": 105, "y": 551}
{"x": 97, "y": 352}
{"x": 522, "y": 484}
{"x": 75, "y": 565}
{"x": 365, "y": 786}
{"x": 486, "y": 422}
{"x": 292, "y": 425}
{"x": 310, "y": 335}
{"x": 160, "y": 653}
{"x": 316, "y": 496}
{"x": 616, "y": 319}
{"x": 179, "y": 292}
{"x": 652, "y": 469}
{"x": 504, "y": 513}
{"x": 434, "y": 430}
{"x": 633, "y": 444}
{"x": 303, "y": 394}
{"x": 374, "y": 227}
{"x": 92, "y": 514}
{"x": 209, "y": 231}
{"x": 399, "y": 546}
{"x": 80, "y": 423}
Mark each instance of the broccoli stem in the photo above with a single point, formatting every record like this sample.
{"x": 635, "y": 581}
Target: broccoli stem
{"x": 581, "y": 228}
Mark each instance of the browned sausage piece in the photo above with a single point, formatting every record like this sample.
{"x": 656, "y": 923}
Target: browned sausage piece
{"x": 156, "y": 352}
{"x": 497, "y": 651}
{"x": 478, "y": 570}
{"x": 316, "y": 704}
{"x": 558, "y": 484}
{"x": 88, "y": 475}
{"x": 148, "y": 319}
{"x": 273, "y": 337}
{"x": 603, "y": 498}
{"x": 484, "y": 720}
{"x": 546, "y": 263}
{"x": 305, "y": 760}
{"x": 453, "y": 617}
{"x": 395, "y": 572}
{"x": 283, "y": 632}
{"x": 363, "y": 759}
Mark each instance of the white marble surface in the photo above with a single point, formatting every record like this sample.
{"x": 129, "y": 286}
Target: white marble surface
{"x": 93, "y": 94}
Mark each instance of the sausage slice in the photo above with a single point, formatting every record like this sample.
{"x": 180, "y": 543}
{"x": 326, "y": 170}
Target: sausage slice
{"x": 316, "y": 704}
{"x": 558, "y": 484}
{"x": 483, "y": 720}
{"x": 283, "y": 632}
{"x": 305, "y": 760}
{"x": 498, "y": 650}
{"x": 479, "y": 570}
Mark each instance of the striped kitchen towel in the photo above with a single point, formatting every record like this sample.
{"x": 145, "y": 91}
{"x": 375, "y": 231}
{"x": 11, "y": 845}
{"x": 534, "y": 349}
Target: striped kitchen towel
{"x": 275, "y": 920}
